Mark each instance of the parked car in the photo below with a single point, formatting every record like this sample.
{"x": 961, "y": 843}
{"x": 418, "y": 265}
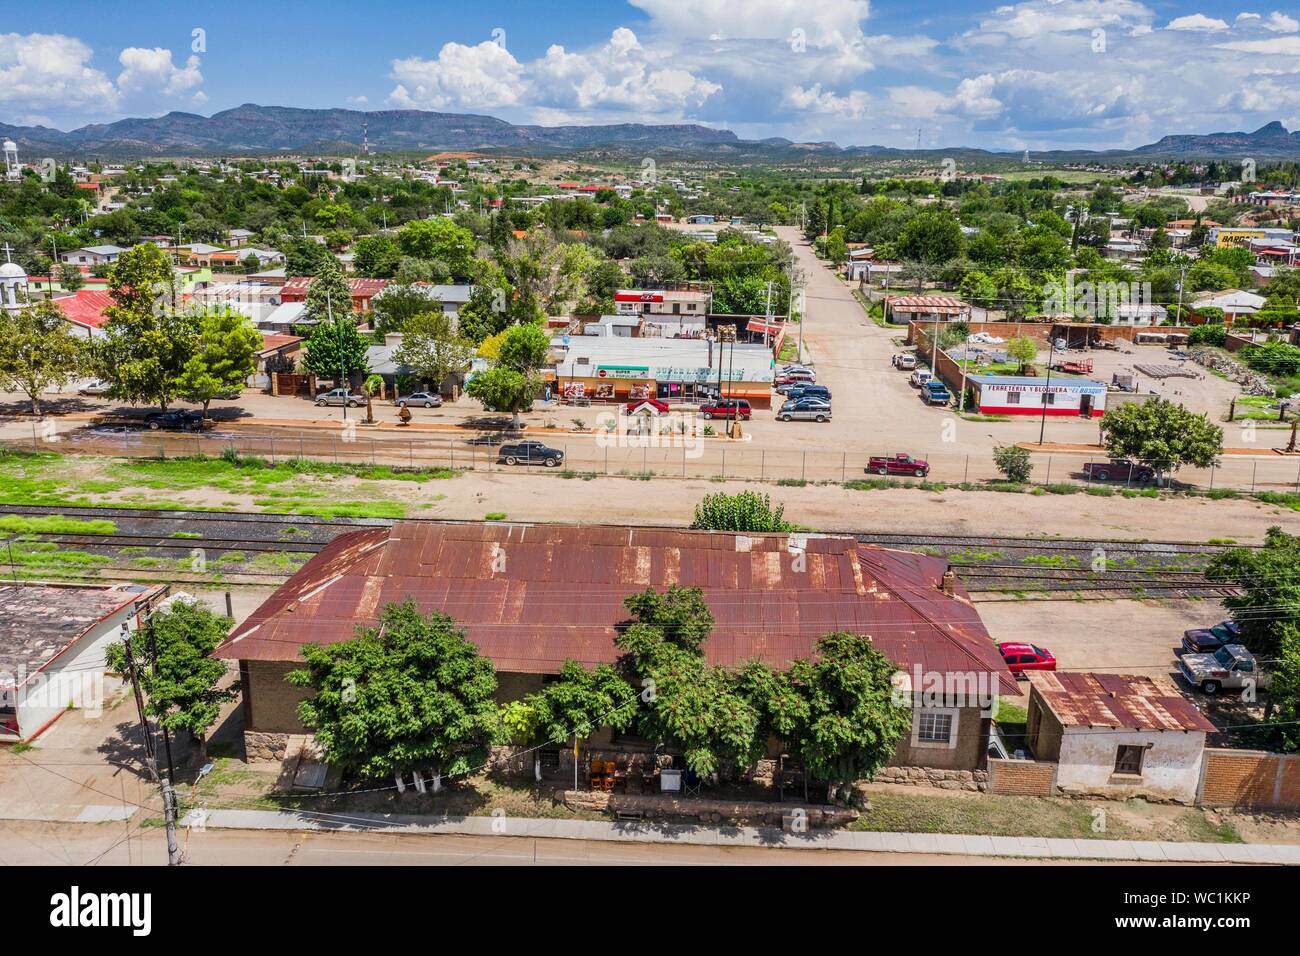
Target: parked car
{"x": 900, "y": 464}
{"x": 1022, "y": 658}
{"x": 786, "y": 376}
{"x": 340, "y": 396}
{"x": 904, "y": 360}
{"x": 175, "y": 419}
{"x": 1207, "y": 640}
{"x": 919, "y": 377}
{"x": 425, "y": 399}
{"x": 805, "y": 390}
{"x": 96, "y": 386}
{"x": 805, "y": 410}
{"x": 727, "y": 408}
{"x": 936, "y": 393}
{"x": 1231, "y": 666}
{"x": 529, "y": 453}
{"x": 1118, "y": 470}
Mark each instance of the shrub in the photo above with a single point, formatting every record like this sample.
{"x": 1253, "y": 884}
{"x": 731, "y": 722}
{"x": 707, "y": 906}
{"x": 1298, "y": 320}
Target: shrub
{"x": 746, "y": 511}
{"x": 1014, "y": 463}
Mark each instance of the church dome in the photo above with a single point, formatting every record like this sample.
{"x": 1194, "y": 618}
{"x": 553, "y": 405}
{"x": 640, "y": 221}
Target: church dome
{"x": 12, "y": 270}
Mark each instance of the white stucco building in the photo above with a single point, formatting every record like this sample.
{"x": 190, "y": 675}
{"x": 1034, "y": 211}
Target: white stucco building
{"x": 1117, "y": 735}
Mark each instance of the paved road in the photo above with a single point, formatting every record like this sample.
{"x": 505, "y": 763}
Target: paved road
{"x": 36, "y": 844}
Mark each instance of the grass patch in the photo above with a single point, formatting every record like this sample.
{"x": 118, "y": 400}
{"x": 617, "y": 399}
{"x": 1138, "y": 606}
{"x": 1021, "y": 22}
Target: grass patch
{"x": 53, "y": 524}
{"x": 495, "y": 516}
{"x": 1287, "y": 499}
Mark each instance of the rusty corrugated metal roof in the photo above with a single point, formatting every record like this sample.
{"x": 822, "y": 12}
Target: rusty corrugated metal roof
{"x": 1121, "y": 701}
{"x": 532, "y": 596}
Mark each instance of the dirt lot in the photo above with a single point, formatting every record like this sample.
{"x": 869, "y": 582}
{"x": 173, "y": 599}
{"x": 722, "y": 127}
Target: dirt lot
{"x": 1100, "y": 635}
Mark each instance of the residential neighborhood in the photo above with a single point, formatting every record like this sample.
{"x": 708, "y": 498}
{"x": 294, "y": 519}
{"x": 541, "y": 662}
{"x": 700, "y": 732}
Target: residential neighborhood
{"x": 485, "y": 471}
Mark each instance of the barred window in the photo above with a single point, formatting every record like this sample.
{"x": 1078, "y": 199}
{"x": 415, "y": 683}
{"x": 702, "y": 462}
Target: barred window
{"x": 1128, "y": 759}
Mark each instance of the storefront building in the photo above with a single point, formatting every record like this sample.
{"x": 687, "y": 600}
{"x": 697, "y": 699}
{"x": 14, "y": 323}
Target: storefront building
{"x": 1025, "y": 395}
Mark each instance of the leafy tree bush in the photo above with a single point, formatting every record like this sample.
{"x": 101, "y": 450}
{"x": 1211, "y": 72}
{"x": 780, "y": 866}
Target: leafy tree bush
{"x": 1163, "y": 434}
{"x": 411, "y": 694}
{"x": 1207, "y": 335}
{"x": 176, "y": 669}
{"x": 1014, "y": 462}
{"x": 745, "y": 511}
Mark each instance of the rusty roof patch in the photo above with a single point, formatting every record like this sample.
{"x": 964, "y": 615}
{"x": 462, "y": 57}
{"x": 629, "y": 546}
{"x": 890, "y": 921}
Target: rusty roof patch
{"x": 1120, "y": 701}
{"x": 556, "y": 592}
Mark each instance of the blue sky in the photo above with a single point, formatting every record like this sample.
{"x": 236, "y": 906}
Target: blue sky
{"x": 1039, "y": 73}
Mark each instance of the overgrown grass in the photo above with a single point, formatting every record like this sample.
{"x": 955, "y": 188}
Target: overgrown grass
{"x": 54, "y": 524}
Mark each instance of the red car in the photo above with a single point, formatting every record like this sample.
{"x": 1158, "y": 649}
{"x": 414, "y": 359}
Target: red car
{"x": 727, "y": 408}
{"x": 1026, "y": 657}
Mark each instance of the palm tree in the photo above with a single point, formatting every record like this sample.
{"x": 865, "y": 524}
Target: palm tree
{"x": 373, "y": 384}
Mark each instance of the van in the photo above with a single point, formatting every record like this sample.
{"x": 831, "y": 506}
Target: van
{"x": 920, "y": 377}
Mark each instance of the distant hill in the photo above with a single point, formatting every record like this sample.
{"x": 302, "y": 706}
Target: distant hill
{"x": 253, "y": 130}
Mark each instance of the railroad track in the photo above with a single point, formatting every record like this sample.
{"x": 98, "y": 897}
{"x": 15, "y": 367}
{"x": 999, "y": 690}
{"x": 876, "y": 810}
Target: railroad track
{"x": 984, "y": 562}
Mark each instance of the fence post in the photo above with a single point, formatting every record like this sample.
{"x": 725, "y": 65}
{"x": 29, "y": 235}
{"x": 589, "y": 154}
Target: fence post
{"x": 1254, "y": 469}
{"x": 411, "y": 449}
{"x": 35, "y": 442}
{"x": 683, "y": 461}
{"x": 965, "y": 475}
{"x": 1297, "y": 479}
{"x": 301, "y": 449}
{"x": 803, "y": 467}
{"x": 762, "y": 464}
{"x": 1212, "y": 466}
{"x": 1048, "y": 480}
{"x": 336, "y": 450}
{"x": 162, "y": 449}
{"x": 272, "y": 449}
{"x": 645, "y": 450}
{"x": 844, "y": 466}
{"x": 606, "y": 461}
{"x": 724, "y": 461}
{"x": 451, "y": 445}
{"x": 372, "y": 452}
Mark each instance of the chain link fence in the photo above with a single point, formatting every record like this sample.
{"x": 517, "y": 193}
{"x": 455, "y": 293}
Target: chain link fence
{"x": 690, "y": 457}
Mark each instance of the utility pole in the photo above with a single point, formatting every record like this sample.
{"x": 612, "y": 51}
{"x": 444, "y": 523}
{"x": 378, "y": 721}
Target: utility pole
{"x": 329, "y": 313}
{"x": 1047, "y": 388}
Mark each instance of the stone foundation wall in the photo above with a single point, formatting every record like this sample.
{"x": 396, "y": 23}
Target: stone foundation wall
{"x": 265, "y": 746}
{"x": 707, "y": 811}
{"x": 972, "y": 780}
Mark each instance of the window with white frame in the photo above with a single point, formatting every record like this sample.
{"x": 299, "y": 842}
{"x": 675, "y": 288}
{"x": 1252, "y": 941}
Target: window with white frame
{"x": 934, "y": 727}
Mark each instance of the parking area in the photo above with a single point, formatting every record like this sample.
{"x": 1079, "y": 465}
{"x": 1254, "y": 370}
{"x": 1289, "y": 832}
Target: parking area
{"x": 1100, "y": 635}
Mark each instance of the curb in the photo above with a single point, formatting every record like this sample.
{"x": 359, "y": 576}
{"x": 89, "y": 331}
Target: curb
{"x": 1135, "y": 851}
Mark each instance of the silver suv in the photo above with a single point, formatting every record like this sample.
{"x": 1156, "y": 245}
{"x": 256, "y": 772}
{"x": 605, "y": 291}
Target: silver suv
{"x": 340, "y": 396}
{"x": 805, "y": 410}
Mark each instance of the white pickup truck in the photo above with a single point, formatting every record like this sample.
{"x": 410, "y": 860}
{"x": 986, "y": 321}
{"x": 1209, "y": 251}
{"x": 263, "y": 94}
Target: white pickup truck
{"x": 1231, "y": 666}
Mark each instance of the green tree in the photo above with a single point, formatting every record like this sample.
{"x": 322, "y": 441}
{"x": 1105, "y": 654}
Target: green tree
{"x": 147, "y": 339}
{"x": 579, "y": 702}
{"x": 409, "y": 695}
{"x": 1014, "y": 463}
{"x": 372, "y": 386}
{"x": 336, "y": 350}
{"x": 439, "y": 238}
{"x": 38, "y": 351}
{"x": 70, "y": 277}
{"x": 1024, "y": 349}
{"x": 513, "y": 383}
{"x": 433, "y": 348}
{"x": 1163, "y": 434}
{"x": 932, "y": 236}
{"x": 225, "y": 355}
{"x": 746, "y": 511}
{"x": 692, "y": 706}
{"x": 1267, "y": 604}
{"x": 305, "y": 257}
{"x": 176, "y": 669}
{"x": 854, "y": 719}
{"x": 329, "y": 293}
{"x": 377, "y": 257}
{"x": 397, "y": 304}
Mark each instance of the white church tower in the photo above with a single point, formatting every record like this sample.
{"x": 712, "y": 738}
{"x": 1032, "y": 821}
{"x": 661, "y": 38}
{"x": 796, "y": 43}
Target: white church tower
{"x": 13, "y": 284}
{"x": 13, "y": 172}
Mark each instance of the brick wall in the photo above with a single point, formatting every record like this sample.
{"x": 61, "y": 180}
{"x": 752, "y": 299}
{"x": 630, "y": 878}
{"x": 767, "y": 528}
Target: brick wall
{"x": 1250, "y": 778}
{"x": 1029, "y": 778}
{"x": 271, "y": 702}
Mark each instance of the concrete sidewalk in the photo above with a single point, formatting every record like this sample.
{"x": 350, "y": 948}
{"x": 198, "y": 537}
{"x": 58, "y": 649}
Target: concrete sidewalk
{"x": 1120, "y": 851}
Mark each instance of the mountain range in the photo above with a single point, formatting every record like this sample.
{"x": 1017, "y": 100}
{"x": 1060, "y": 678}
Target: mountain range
{"x": 254, "y": 130}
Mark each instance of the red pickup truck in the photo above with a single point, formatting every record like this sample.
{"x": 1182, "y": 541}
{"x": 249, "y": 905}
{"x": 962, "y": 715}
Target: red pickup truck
{"x": 900, "y": 464}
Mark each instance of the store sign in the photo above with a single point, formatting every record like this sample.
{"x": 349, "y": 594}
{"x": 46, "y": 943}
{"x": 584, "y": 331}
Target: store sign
{"x": 703, "y": 375}
{"x": 623, "y": 371}
{"x": 1055, "y": 389}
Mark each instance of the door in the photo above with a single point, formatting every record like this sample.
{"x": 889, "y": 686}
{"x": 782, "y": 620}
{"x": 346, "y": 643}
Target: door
{"x": 1085, "y": 406}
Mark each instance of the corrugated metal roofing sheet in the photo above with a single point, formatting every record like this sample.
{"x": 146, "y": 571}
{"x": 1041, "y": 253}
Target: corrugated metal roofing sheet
{"x": 1121, "y": 701}
{"x": 533, "y": 596}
